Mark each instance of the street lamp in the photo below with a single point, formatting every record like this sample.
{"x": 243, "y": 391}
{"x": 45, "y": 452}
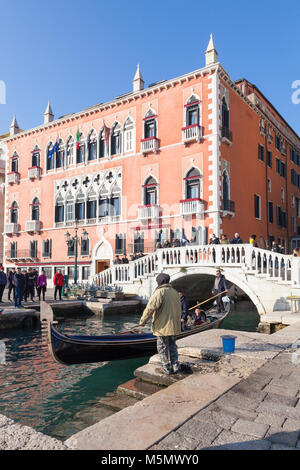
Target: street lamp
{"x": 75, "y": 241}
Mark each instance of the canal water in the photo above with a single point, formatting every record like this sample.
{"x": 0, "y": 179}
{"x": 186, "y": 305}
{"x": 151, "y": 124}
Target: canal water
{"x": 61, "y": 400}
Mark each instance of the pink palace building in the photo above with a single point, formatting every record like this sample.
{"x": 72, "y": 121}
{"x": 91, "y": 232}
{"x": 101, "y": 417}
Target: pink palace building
{"x": 182, "y": 158}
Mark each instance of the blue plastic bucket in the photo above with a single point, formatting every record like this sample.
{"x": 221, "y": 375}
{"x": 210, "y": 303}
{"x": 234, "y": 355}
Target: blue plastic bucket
{"x": 228, "y": 343}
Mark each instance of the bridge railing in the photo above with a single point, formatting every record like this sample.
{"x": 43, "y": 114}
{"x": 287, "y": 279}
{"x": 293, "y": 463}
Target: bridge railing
{"x": 274, "y": 266}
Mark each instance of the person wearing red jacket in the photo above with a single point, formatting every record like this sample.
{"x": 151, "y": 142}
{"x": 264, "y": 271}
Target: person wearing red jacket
{"x": 58, "y": 281}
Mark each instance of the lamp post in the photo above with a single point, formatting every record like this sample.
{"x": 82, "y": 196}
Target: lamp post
{"x": 75, "y": 241}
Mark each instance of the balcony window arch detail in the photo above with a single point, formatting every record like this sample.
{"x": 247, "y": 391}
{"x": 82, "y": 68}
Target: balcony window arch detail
{"x": 14, "y": 213}
{"x": 115, "y": 139}
{"x": 150, "y": 125}
{"x": 35, "y": 209}
{"x": 150, "y": 196}
{"x": 192, "y": 111}
{"x": 36, "y": 157}
{"x": 92, "y": 145}
{"x": 14, "y": 163}
{"x": 193, "y": 184}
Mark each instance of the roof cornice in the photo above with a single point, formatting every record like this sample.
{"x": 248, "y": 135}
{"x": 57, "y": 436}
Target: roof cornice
{"x": 127, "y": 98}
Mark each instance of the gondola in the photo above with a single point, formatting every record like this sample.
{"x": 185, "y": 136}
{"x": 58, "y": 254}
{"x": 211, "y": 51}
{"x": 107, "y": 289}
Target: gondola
{"x": 79, "y": 349}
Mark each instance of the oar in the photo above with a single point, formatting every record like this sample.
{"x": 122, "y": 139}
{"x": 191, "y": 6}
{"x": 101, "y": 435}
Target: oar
{"x": 208, "y": 300}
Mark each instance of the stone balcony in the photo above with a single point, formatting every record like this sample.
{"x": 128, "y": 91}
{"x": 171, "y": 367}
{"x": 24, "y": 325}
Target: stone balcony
{"x": 34, "y": 172}
{"x": 13, "y": 177}
{"x": 151, "y": 144}
{"x": 11, "y": 228}
{"x": 226, "y": 135}
{"x": 193, "y": 133}
{"x": 32, "y": 226}
{"x": 228, "y": 207}
{"x": 191, "y": 206}
{"x": 150, "y": 211}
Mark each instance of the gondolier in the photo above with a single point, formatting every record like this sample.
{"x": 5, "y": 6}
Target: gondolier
{"x": 165, "y": 308}
{"x": 220, "y": 288}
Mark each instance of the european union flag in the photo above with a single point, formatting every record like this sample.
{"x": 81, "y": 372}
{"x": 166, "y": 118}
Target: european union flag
{"x": 54, "y": 149}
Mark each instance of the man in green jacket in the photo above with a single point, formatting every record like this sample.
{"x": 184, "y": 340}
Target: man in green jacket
{"x": 165, "y": 308}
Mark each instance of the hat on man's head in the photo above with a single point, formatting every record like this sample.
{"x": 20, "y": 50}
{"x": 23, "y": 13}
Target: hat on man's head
{"x": 162, "y": 279}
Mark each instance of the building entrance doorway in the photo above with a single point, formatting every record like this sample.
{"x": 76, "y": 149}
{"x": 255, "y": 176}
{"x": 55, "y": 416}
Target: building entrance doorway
{"x": 101, "y": 265}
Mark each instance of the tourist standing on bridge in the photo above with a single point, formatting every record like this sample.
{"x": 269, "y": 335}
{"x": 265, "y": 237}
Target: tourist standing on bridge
{"x": 165, "y": 308}
{"x": 220, "y": 286}
{"x": 214, "y": 240}
{"x": 236, "y": 239}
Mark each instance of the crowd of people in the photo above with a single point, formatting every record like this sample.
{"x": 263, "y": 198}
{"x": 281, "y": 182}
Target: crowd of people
{"x": 258, "y": 242}
{"x": 125, "y": 260}
{"x": 25, "y": 284}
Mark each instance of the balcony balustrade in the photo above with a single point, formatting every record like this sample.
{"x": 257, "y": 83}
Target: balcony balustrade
{"x": 193, "y": 133}
{"x": 13, "y": 177}
{"x": 34, "y": 172}
{"x": 150, "y": 144}
{"x": 32, "y": 226}
{"x": 150, "y": 211}
{"x": 11, "y": 228}
{"x": 226, "y": 135}
{"x": 191, "y": 206}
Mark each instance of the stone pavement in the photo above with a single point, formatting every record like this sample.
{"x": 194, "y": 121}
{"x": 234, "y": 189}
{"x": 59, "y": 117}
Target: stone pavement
{"x": 261, "y": 412}
{"x": 247, "y": 401}
{"x": 14, "y": 436}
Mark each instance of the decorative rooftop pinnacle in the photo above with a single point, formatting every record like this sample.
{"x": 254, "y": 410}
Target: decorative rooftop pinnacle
{"x": 211, "y": 55}
{"x": 138, "y": 82}
{"x": 14, "y": 127}
{"x": 48, "y": 114}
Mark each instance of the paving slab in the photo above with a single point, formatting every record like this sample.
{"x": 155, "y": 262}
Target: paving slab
{"x": 138, "y": 428}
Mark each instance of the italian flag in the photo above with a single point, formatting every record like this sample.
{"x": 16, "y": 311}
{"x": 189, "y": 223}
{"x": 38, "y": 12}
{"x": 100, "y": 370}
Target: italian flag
{"x": 77, "y": 139}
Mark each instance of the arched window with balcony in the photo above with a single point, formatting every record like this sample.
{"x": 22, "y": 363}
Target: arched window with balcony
{"x": 14, "y": 163}
{"x": 92, "y": 146}
{"x": 14, "y": 213}
{"x": 115, "y": 139}
{"x": 150, "y": 125}
{"x": 36, "y": 157}
{"x": 193, "y": 184}
{"x": 150, "y": 191}
{"x": 35, "y": 209}
{"x": 70, "y": 151}
{"x": 192, "y": 111}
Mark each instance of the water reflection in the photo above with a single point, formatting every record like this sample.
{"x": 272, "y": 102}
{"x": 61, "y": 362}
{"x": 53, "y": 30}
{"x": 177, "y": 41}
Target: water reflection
{"x": 41, "y": 393}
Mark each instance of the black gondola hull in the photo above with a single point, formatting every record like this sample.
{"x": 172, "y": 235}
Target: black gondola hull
{"x": 88, "y": 349}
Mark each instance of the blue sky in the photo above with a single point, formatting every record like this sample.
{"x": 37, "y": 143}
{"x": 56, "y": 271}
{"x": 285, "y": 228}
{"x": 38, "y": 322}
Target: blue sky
{"x": 79, "y": 53}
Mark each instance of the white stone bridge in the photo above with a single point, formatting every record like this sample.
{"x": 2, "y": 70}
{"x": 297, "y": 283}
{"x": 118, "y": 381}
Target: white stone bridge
{"x": 266, "y": 277}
